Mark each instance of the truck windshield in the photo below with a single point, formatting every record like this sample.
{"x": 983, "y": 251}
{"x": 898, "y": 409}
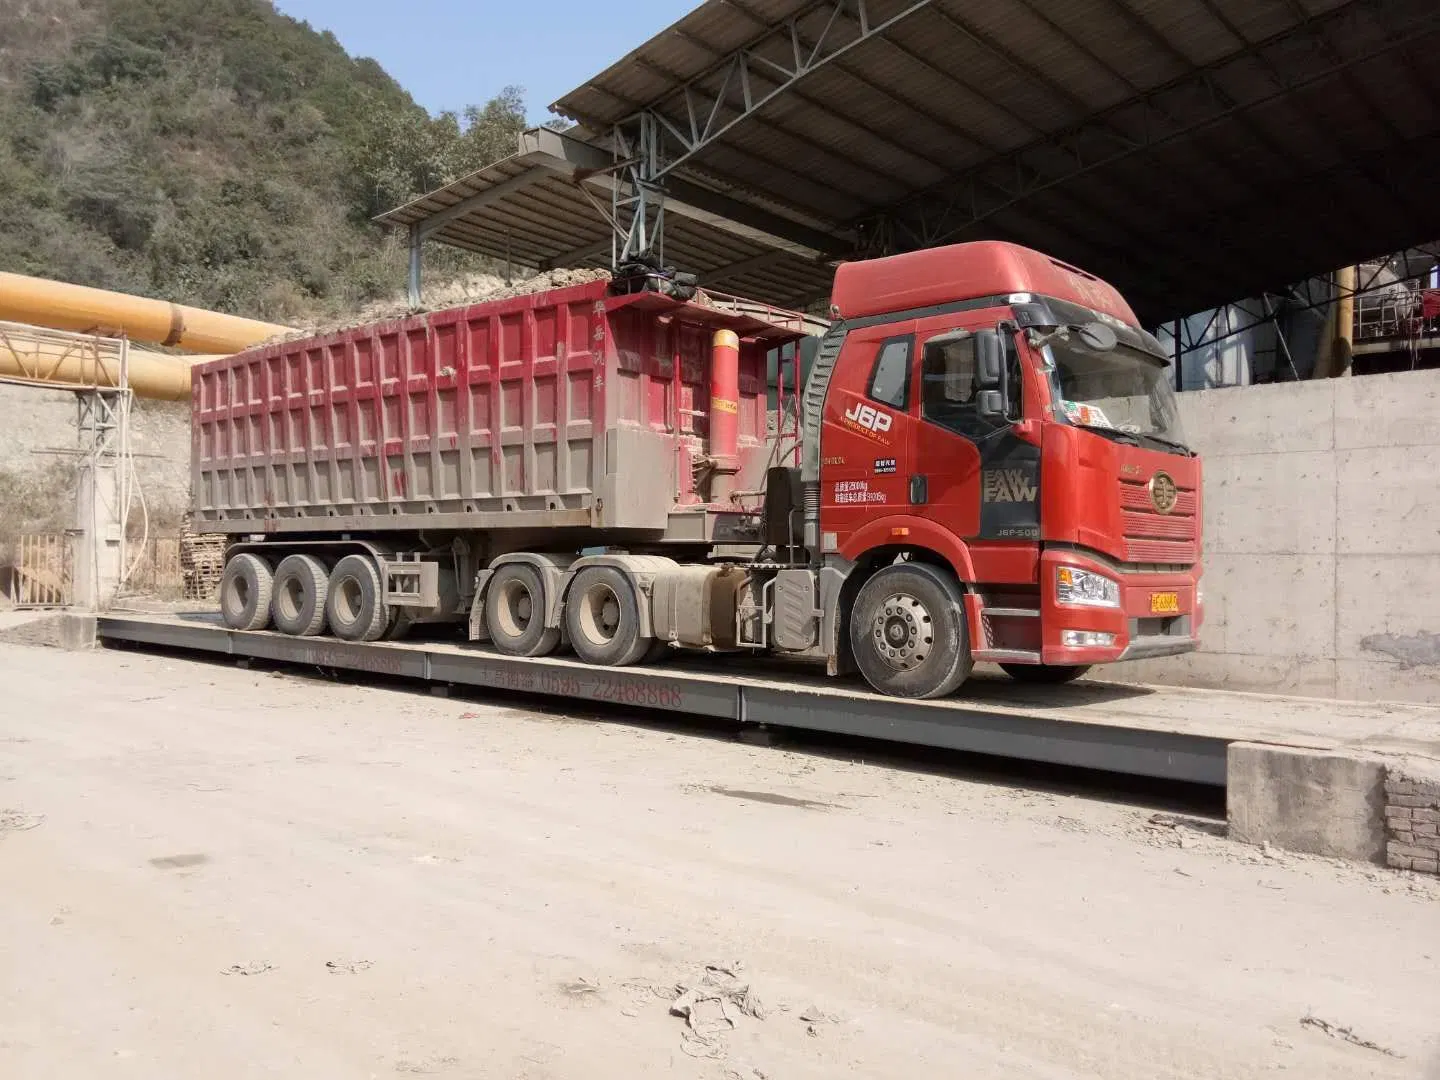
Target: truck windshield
{"x": 1119, "y": 393}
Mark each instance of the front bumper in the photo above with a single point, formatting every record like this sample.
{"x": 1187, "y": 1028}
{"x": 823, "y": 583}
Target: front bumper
{"x": 1138, "y": 629}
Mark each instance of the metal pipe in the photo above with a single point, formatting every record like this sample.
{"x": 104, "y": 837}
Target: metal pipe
{"x": 61, "y": 306}
{"x": 151, "y": 375}
{"x": 724, "y": 414}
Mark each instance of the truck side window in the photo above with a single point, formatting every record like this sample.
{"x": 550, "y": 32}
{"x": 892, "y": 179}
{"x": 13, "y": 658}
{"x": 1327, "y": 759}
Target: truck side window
{"x": 1016, "y": 376}
{"x": 947, "y": 393}
{"x": 890, "y": 381}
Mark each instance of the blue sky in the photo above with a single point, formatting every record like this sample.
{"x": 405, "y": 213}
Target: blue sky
{"x": 453, "y": 53}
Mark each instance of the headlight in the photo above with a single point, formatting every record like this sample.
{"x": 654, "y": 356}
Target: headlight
{"x": 1086, "y": 639}
{"x": 1085, "y": 588}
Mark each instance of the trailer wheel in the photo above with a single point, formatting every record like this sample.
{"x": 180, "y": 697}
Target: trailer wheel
{"x": 354, "y": 605}
{"x": 515, "y": 612}
{"x": 297, "y": 605}
{"x": 908, "y": 632}
{"x": 1045, "y": 674}
{"x": 245, "y": 590}
{"x": 602, "y": 618}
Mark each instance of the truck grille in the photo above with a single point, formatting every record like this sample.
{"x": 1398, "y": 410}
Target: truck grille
{"x": 1151, "y": 537}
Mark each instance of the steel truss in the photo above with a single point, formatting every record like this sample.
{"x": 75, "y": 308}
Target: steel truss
{"x": 637, "y": 199}
{"x": 652, "y": 144}
{"x": 754, "y": 75}
{"x": 105, "y": 471}
{"x": 1307, "y": 295}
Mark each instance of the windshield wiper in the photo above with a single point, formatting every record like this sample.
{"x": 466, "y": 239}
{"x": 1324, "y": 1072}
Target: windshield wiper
{"x": 1172, "y": 444}
{"x": 1114, "y": 434}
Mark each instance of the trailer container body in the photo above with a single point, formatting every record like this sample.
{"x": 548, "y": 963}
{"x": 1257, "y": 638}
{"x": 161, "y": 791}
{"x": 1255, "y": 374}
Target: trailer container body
{"x": 569, "y": 408}
{"x": 986, "y": 464}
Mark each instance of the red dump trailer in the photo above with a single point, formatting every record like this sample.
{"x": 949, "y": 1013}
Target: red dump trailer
{"x": 985, "y": 464}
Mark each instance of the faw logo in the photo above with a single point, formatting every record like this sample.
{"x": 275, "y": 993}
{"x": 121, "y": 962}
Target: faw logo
{"x": 870, "y": 418}
{"x": 1008, "y": 486}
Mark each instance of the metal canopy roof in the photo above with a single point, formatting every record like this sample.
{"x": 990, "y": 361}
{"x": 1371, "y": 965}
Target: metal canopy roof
{"x": 547, "y": 206}
{"x": 1190, "y": 151}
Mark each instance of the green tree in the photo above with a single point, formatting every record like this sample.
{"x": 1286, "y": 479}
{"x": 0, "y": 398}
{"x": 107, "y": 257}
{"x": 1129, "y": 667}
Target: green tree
{"x": 215, "y": 152}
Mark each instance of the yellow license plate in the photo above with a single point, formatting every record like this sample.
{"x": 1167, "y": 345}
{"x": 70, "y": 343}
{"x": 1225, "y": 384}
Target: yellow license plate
{"x": 1164, "y": 603}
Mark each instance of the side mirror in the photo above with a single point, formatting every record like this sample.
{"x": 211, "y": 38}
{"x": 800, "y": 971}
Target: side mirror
{"x": 990, "y": 404}
{"x": 989, "y": 362}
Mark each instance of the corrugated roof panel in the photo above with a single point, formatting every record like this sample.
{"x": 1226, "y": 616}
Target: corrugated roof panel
{"x": 1108, "y": 29}
{"x": 955, "y": 86}
{"x": 846, "y": 179}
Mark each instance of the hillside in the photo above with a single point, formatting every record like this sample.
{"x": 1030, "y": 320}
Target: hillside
{"x": 214, "y": 152}
{"x": 211, "y": 152}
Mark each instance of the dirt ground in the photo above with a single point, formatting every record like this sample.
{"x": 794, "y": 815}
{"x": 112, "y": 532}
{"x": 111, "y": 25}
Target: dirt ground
{"x": 211, "y": 872}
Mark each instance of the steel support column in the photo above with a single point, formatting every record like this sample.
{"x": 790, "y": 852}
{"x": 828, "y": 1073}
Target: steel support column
{"x": 413, "y": 281}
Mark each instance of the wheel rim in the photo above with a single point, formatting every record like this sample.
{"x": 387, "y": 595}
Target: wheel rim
{"x": 599, "y": 614}
{"x": 903, "y": 632}
{"x": 516, "y": 608}
{"x": 292, "y": 596}
{"x": 348, "y": 599}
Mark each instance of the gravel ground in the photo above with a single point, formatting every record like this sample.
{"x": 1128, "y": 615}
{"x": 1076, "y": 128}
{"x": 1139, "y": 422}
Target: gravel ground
{"x": 222, "y": 873}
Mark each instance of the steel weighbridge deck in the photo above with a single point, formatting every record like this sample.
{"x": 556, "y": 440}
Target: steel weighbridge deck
{"x": 1166, "y": 733}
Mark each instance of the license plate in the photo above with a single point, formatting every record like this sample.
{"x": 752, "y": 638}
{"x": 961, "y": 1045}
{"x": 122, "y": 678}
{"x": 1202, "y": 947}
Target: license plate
{"x": 1164, "y": 603}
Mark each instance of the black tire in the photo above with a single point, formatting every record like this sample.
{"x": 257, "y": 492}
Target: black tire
{"x": 515, "y": 606}
{"x": 602, "y": 618}
{"x": 400, "y": 624}
{"x": 908, "y": 632}
{"x": 245, "y": 590}
{"x": 297, "y": 604}
{"x": 354, "y": 607}
{"x": 1045, "y": 674}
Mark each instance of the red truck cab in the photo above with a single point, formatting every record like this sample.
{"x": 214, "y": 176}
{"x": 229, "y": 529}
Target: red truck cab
{"x": 1000, "y": 416}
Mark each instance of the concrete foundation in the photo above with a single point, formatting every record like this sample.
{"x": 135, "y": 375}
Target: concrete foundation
{"x": 75, "y": 631}
{"x": 1313, "y": 801}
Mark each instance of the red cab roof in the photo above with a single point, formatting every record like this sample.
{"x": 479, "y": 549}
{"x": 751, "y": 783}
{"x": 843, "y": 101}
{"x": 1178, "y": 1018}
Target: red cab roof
{"x": 943, "y": 275}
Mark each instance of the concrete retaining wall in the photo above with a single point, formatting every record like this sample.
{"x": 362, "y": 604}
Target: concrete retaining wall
{"x": 1322, "y": 540}
{"x": 1347, "y": 804}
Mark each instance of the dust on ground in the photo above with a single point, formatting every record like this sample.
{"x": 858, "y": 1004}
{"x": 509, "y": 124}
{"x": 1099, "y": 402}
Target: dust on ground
{"x": 232, "y": 874}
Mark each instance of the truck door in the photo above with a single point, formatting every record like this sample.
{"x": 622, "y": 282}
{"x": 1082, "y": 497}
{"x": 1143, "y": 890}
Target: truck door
{"x": 866, "y": 442}
{"x": 973, "y": 475}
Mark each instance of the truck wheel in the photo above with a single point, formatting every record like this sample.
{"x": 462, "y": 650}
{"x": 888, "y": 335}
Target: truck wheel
{"x": 602, "y": 618}
{"x": 908, "y": 632}
{"x": 245, "y": 591}
{"x": 1045, "y": 674}
{"x": 515, "y": 612}
{"x": 302, "y": 585}
{"x": 354, "y": 605}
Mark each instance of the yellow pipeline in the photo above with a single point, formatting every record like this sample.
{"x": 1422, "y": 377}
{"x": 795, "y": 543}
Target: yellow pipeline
{"x": 152, "y": 375}
{"x": 89, "y": 311}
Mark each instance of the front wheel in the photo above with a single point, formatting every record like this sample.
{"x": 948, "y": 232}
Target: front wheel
{"x": 908, "y": 632}
{"x": 1045, "y": 674}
